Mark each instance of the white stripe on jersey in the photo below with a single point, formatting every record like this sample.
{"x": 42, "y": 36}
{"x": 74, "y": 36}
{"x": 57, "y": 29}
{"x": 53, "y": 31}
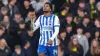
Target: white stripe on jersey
{"x": 47, "y": 29}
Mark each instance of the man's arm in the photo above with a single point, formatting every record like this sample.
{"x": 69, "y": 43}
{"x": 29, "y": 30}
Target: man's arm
{"x": 36, "y": 24}
{"x": 56, "y": 27}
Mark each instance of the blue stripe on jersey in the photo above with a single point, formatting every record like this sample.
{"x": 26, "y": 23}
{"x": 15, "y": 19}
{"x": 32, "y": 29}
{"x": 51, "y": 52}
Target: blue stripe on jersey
{"x": 54, "y": 29}
{"x": 44, "y": 36}
{"x": 47, "y": 37}
{"x": 40, "y": 30}
{"x": 43, "y": 21}
{"x": 46, "y": 20}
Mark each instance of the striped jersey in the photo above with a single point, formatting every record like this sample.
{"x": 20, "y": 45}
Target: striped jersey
{"x": 48, "y": 25}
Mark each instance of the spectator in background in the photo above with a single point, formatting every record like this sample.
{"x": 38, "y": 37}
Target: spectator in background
{"x": 95, "y": 48}
{"x": 4, "y": 48}
{"x": 57, "y": 4}
{"x": 3, "y": 12}
{"x": 83, "y": 6}
{"x": 80, "y": 15}
{"x": 2, "y": 32}
{"x": 85, "y": 24}
{"x": 6, "y": 21}
{"x": 97, "y": 25}
{"x": 73, "y": 7}
{"x": 83, "y": 41}
{"x": 38, "y": 5}
{"x": 20, "y": 31}
{"x": 14, "y": 29}
{"x": 63, "y": 37}
{"x": 1, "y": 4}
{"x": 69, "y": 32}
{"x": 31, "y": 15}
{"x": 18, "y": 51}
{"x": 26, "y": 8}
{"x": 91, "y": 6}
{"x": 7, "y": 24}
{"x": 89, "y": 37}
{"x": 12, "y": 8}
{"x": 97, "y": 12}
{"x": 60, "y": 48}
{"x": 64, "y": 11}
{"x": 69, "y": 21}
{"x": 26, "y": 49}
{"x": 97, "y": 36}
{"x": 28, "y": 35}
{"x": 74, "y": 48}
{"x": 15, "y": 23}
{"x": 5, "y": 2}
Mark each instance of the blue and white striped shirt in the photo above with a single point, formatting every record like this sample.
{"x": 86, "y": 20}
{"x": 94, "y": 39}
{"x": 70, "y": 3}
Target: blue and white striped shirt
{"x": 49, "y": 29}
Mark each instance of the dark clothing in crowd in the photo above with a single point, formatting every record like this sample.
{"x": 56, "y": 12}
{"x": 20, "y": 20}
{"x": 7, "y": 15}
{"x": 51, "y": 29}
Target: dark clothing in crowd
{"x": 58, "y": 4}
{"x": 28, "y": 52}
{"x": 5, "y": 52}
{"x": 86, "y": 27}
{"x": 33, "y": 41}
{"x": 15, "y": 54}
{"x": 89, "y": 54}
{"x": 12, "y": 11}
{"x": 25, "y": 11}
{"x": 79, "y": 52}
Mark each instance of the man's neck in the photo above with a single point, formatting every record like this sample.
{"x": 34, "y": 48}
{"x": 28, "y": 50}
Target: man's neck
{"x": 47, "y": 14}
{"x": 27, "y": 7}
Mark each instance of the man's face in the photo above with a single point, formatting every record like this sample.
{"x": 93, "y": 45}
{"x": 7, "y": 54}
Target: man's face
{"x": 92, "y": 1}
{"x": 22, "y": 26}
{"x": 46, "y": 8}
{"x": 13, "y": 2}
{"x": 81, "y": 5}
{"x": 86, "y": 20}
{"x": 4, "y": 12}
{"x": 17, "y": 16}
{"x": 26, "y": 3}
{"x": 69, "y": 19}
{"x": 30, "y": 33}
{"x": 18, "y": 50}
{"x": 98, "y": 8}
{"x": 79, "y": 31}
{"x": 1, "y": 32}
{"x": 6, "y": 19}
{"x": 69, "y": 29}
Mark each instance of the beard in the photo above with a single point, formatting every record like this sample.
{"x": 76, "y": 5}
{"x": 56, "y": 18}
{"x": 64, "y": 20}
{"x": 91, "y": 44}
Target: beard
{"x": 45, "y": 11}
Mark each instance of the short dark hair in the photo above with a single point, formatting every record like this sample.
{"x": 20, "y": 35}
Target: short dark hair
{"x": 86, "y": 17}
{"x": 97, "y": 19}
{"x": 49, "y": 5}
{"x": 22, "y": 22}
{"x": 69, "y": 15}
{"x": 81, "y": 9}
{"x": 17, "y": 46}
{"x": 17, "y": 13}
{"x": 64, "y": 6}
{"x": 27, "y": 0}
{"x": 25, "y": 42}
{"x": 9, "y": 1}
{"x": 68, "y": 25}
{"x": 79, "y": 27}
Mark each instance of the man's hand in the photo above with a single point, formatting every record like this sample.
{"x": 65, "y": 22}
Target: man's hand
{"x": 49, "y": 42}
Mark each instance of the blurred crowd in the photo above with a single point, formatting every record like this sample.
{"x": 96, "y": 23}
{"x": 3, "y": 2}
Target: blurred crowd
{"x": 79, "y": 33}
